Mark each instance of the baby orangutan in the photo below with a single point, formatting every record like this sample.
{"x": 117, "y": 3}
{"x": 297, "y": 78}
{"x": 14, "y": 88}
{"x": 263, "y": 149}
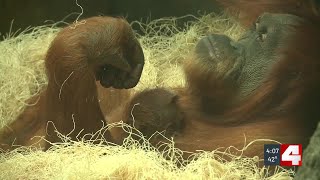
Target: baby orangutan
{"x": 100, "y": 52}
{"x": 149, "y": 111}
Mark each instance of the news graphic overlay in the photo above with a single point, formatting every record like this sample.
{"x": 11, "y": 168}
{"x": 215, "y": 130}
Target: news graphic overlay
{"x": 283, "y": 154}
{"x": 271, "y": 154}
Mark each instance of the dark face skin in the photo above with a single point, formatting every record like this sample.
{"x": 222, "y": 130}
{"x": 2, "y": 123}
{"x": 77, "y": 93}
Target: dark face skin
{"x": 248, "y": 61}
{"x": 149, "y": 111}
{"x": 156, "y": 110}
{"x": 115, "y": 54}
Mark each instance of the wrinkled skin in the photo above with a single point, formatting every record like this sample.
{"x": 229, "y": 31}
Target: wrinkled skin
{"x": 239, "y": 75}
{"x": 249, "y": 60}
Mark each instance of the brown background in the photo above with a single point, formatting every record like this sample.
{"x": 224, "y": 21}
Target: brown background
{"x": 35, "y": 12}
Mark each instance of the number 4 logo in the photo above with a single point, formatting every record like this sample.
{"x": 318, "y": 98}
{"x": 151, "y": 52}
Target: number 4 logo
{"x": 291, "y": 155}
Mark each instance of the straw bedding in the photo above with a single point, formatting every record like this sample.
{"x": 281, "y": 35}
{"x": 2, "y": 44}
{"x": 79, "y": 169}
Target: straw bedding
{"x": 165, "y": 46}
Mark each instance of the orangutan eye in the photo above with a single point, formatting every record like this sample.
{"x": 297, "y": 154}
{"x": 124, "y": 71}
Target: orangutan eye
{"x": 261, "y": 31}
{"x": 256, "y": 26}
{"x": 262, "y": 36}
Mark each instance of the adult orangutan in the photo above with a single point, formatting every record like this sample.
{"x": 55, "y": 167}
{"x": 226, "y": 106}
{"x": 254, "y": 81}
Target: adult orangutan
{"x": 265, "y": 85}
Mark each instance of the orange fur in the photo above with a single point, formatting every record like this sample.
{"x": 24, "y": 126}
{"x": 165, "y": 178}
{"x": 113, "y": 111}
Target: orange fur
{"x": 284, "y": 108}
{"x": 249, "y": 10}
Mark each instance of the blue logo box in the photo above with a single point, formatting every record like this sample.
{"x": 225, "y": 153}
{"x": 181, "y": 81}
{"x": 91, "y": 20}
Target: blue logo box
{"x": 271, "y": 154}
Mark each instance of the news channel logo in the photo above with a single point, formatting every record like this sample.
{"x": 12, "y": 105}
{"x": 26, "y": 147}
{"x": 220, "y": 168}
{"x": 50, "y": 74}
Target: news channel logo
{"x": 283, "y": 154}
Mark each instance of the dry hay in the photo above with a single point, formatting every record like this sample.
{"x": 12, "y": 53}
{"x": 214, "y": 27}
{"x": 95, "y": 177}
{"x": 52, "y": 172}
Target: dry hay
{"x": 133, "y": 160}
{"x": 165, "y": 47}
